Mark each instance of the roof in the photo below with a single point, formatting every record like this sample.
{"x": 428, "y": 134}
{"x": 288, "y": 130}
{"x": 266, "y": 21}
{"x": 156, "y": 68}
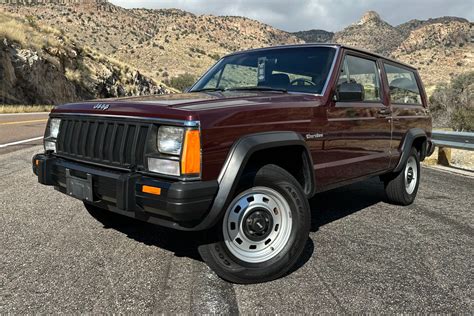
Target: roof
{"x": 334, "y": 45}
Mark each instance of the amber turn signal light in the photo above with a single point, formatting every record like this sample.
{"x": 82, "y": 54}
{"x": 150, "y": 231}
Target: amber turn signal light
{"x": 191, "y": 159}
{"x": 151, "y": 190}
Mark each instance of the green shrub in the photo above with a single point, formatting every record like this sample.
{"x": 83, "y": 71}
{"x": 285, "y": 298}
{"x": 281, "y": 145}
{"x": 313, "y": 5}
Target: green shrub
{"x": 452, "y": 105}
{"x": 181, "y": 82}
{"x": 215, "y": 56}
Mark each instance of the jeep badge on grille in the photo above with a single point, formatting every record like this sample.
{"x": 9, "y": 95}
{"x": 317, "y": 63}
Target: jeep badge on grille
{"x": 101, "y": 106}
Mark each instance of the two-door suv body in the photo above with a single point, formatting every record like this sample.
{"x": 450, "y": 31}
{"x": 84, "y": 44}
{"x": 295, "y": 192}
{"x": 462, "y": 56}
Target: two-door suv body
{"x": 244, "y": 149}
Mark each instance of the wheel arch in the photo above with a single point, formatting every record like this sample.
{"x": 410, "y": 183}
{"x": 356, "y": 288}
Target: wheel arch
{"x": 241, "y": 154}
{"x": 415, "y": 137}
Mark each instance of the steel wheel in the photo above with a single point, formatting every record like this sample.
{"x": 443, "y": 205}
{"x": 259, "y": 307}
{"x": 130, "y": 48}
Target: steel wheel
{"x": 257, "y": 225}
{"x": 411, "y": 175}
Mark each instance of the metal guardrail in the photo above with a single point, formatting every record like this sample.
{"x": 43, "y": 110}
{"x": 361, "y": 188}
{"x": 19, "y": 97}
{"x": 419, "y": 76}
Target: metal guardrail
{"x": 459, "y": 140}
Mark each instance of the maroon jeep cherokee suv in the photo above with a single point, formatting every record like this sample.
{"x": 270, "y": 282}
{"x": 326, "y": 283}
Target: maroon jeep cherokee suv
{"x": 244, "y": 149}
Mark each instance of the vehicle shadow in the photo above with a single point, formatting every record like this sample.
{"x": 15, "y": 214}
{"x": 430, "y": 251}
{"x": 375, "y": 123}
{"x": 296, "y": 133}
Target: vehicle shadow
{"x": 326, "y": 207}
{"x": 329, "y": 206}
{"x": 182, "y": 244}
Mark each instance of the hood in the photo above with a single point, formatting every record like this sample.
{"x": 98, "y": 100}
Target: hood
{"x": 197, "y": 100}
{"x": 185, "y": 106}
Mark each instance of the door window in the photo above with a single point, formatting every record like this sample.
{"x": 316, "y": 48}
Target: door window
{"x": 403, "y": 86}
{"x": 364, "y": 72}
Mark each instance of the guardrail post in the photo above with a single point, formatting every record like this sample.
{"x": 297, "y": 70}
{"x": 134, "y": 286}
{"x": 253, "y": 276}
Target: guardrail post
{"x": 444, "y": 156}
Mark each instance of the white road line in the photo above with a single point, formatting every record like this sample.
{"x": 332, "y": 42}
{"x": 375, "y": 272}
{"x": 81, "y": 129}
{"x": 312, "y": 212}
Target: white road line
{"x": 21, "y": 142}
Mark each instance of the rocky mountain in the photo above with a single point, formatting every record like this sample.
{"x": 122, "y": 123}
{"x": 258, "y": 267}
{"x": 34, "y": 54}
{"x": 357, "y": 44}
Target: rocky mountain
{"x": 161, "y": 43}
{"x": 440, "y": 48}
{"x": 63, "y": 2}
{"x": 40, "y": 65}
{"x": 315, "y": 36}
{"x": 412, "y": 25}
{"x": 166, "y": 43}
{"x": 371, "y": 33}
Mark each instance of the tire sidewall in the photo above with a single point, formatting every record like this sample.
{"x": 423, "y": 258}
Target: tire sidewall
{"x": 284, "y": 260}
{"x": 410, "y": 197}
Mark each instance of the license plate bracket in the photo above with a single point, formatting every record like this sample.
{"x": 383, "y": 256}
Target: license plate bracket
{"x": 79, "y": 188}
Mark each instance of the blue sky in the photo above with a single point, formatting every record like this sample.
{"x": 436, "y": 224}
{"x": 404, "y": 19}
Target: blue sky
{"x": 331, "y": 15}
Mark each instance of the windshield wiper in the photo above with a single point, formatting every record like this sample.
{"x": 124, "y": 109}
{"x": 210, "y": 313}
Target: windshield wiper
{"x": 261, "y": 88}
{"x": 208, "y": 89}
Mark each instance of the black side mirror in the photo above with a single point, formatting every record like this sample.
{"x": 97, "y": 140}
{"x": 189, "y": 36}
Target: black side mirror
{"x": 350, "y": 91}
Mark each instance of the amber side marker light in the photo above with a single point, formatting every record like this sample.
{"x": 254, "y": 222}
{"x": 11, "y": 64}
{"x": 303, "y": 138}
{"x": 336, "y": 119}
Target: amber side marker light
{"x": 151, "y": 190}
{"x": 191, "y": 159}
{"x": 37, "y": 162}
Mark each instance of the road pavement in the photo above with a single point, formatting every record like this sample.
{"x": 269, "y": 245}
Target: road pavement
{"x": 19, "y": 131}
{"x": 363, "y": 255}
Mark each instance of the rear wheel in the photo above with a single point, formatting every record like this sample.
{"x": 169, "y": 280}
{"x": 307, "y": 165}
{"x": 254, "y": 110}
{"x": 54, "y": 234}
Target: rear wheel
{"x": 264, "y": 229}
{"x": 401, "y": 188}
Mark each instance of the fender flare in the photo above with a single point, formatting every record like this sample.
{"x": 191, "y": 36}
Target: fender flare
{"x": 238, "y": 156}
{"x": 407, "y": 144}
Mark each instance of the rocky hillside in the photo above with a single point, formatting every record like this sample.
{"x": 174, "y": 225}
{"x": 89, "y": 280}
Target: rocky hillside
{"x": 315, "y": 36}
{"x": 39, "y": 64}
{"x": 162, "y": 43}
{"x": 441, "y": 48}
{"x": 371, "y": 33}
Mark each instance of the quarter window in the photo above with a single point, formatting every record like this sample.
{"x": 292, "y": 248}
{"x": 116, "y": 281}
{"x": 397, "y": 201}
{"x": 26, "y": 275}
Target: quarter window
{"x": 403, "y": 86}
{"x": 364, "y": 72}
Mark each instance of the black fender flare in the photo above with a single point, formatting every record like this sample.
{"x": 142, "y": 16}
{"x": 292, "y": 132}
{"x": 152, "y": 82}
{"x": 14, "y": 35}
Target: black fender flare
{"x": 407, "y": 144}
{"x": 236, "y": 161}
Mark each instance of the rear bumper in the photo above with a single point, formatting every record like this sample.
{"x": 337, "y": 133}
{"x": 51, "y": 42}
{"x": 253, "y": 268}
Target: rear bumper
{"x": 180, "y": 205}
{"x": 430, "y": 147}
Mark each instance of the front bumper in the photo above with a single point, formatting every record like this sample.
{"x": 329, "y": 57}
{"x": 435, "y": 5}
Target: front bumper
{"x": 180, "y": 205}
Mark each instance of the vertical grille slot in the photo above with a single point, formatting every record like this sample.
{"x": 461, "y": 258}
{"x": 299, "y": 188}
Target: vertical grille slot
{"x": 115, "y": 143}
{"x": 140, "y": 150}
{"x": 99, "y": 141}
{"x": 83, "y": 140}
{"x": 76, "y": 136}
{"x": 117, "y": 151}
{"x": 109, "y": 128}
{"x": 91, "y": 141}
{"x": 129, "y": 144}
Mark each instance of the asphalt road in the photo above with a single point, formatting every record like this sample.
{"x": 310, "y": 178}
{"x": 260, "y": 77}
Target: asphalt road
{"x": 20, "y": 127}
{"x": 363, "y": 255}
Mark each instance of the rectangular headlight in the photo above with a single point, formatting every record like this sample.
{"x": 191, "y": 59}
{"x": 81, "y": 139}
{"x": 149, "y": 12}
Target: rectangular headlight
{"x": 164, "y": 166}
{"x": 170, "y": 140}
{"x": 54, "y": 127}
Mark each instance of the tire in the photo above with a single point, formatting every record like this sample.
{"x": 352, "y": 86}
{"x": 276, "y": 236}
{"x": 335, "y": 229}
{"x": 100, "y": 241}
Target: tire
{"x": 401, "y": 188}
{"x": 264, "y": 229}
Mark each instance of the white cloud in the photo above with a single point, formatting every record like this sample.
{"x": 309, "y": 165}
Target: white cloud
{"x": 331, "y": 15}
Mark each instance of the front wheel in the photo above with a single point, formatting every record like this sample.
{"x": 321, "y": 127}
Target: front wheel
{"x": 264, "y": 229}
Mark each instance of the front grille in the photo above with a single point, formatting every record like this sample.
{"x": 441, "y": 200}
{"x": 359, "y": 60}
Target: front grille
{"x": 116, "y": 143}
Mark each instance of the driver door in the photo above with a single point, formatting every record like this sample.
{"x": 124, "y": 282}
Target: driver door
{"x": 358, "y": 131}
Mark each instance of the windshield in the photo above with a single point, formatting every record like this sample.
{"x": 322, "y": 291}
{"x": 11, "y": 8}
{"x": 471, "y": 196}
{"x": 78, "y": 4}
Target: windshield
{"x": 296, "y": 69}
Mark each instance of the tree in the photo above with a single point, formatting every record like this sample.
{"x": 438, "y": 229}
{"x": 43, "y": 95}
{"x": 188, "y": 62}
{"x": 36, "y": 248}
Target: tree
{"x": 452, "y": 105}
